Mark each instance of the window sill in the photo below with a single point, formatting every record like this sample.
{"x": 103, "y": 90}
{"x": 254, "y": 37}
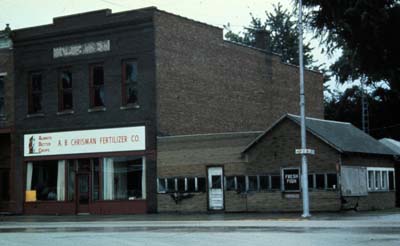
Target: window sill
{"x": 65, "y": 112}
{"x": 130, "y": 106}
{"x": 378, "y": 191}
{"x": 35, "y": 115}
{"x": 97, "y": 109}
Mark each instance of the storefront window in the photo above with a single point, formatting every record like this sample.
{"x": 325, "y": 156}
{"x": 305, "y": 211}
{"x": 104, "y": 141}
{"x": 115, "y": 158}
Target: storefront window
{"x": 331, "y": 180}
{"x": 171, "y": 185}
{"x": 123, "y": 178}
{"x": 71, "y": 180}
{"x": 191, "y": 184}
{"x": 95, "y": 180}
{"x": 46, "y": 179}
{"x": 253, "y": 183}
{"x": 230, "y": 182}
{"x": 275, "y": 182}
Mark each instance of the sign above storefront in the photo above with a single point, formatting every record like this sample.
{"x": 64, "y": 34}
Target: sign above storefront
{"x": 82, "y": 49}
{"x": 86, "y": 141}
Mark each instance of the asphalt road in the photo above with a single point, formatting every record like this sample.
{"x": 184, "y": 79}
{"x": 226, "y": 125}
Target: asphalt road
{"x": 335, "y": 230}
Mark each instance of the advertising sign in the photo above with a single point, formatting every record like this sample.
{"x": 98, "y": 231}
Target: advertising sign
{"x": 85, "y": 141}
{"x": 291, "y": 179}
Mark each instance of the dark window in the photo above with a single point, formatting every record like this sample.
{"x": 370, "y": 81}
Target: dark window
{"x": 97, "y": 86}
{"x": 291, "y": 179}
{"x": 264, "y": 182}
{"x": 253, "y": 183}
{"x": 241, "y": 183}
{"x": 391, "y": 180}
{"x": 130, "y": 83}
{"x": 71, "y": 180}
{"x": 191, "y": 187}
{"x": 320, "y": 181}
{"x": 216, "y": 182}
{"x": 2, "y": 95}
{"x": 161, "y": 186}
{"x": 275, "y": 182}
{"x": 331, "y": 180}
{"x": 201, "y": 184}
{"x": 65, "y": 93}
{"x": 230, "y": 182}
{"x": 43, "y": 179}
{"x": 181, "y": 184}
{"x": 311, "y": 184}
{"x": 96, "y": 180}
{"x": 4, "y": 184}
{"x": 171, "y": 185}
{"x": 35, "y": 93}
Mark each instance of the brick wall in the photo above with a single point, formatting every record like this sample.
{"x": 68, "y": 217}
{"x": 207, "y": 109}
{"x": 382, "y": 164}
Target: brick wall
{"x": 208, "y": 85}
{"x": 7, "y": 66}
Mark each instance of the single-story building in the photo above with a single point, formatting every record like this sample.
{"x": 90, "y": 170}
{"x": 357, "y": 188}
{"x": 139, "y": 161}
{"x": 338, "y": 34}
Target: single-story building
{"x": 260, "y": 172}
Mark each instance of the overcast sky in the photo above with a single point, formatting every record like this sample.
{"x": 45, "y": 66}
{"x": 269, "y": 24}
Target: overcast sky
{"x": 26, "y": 13}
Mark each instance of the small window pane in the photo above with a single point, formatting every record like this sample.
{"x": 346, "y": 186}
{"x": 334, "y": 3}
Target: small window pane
{"x": 96, "y": 180}
{"x": 181, "y": 184}
{"x": 253, "y": 183}
{"x": 320, "y": 181}
{"x": 131, "y": 72}
{"x": 311, "y": 184}
{"x": 71, "y": 180}
{"x": 370, "y": 180}
{"x": 161, "y": 186}
{"x": 171, "y": 184}
{"x": 98, "y": 75}
{"x": 331, "y": 181}
{"x": 191, "y": 185}
{"x": 201, "y": 184}
{"x": 377, "y": 180}
{"x": 241, "y": 183}
{"x": 263, "y": 182}
{"x": 99, "y": 96}
{"x": 131, "y": 94}
{"x": 391, "y": 180}
{"x": 384, "y": 180}
{"x": 275, "y": 182}
{"x": 36, "y": 82}
{"x": 67, "y": 100}
{"x": 230, "y": 182}
{"x": 216, "y": 182}
{"x": 66, "y": 79}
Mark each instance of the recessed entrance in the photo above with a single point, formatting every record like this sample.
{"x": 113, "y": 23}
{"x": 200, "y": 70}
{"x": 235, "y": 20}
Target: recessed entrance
{"x": 215, "y": 188}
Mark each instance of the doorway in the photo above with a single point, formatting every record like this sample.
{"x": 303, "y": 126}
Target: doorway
{"x": 83, "y": 185}
{"x": 215, "y": 188}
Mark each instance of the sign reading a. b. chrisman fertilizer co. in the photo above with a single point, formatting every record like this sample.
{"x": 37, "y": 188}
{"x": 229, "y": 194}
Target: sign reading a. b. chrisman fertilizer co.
{"x": 87, "y": 141}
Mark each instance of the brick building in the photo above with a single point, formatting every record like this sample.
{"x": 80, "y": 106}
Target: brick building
{"x": 7, "y": 181}
{"x": 94, "y": 90}
{"x": 260, "y": 172}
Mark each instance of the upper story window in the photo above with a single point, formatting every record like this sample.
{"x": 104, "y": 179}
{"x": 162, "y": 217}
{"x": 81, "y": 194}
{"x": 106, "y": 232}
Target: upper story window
{"x": 35, "y": 93}
{"x": 130, "y": 83}
{"x": 65, "y": 90}
{"x": 2, "y": 79}
{"x": 97, "y": 85}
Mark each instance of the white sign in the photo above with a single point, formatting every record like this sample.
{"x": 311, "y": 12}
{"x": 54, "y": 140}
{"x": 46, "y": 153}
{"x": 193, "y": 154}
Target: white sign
{"x": 305, "y": 151}
{"x": 86, "y": 141}
{"x": 81, "y": 49}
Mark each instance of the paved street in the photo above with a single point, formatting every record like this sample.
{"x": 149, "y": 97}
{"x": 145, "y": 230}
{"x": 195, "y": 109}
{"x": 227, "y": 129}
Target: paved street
{"x": 236, "y": 229}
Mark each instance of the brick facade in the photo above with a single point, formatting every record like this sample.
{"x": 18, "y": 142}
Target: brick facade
{"x": 208, "y": 85}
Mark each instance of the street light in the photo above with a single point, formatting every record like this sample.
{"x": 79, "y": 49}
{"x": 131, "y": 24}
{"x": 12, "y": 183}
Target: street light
{"x": 304, "y": 171}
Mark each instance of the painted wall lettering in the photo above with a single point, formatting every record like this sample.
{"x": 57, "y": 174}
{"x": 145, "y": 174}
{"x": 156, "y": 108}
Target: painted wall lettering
{"x": 82, "y": 49}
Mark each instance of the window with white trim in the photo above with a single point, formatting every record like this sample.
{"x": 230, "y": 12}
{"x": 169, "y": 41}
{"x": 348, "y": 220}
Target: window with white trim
{"x": 380, "y": 179}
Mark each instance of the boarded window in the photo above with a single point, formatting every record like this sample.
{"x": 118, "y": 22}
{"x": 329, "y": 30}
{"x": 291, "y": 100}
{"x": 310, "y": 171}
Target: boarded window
{"x": 354, "y": 181}
{"x": 230, "y": 182}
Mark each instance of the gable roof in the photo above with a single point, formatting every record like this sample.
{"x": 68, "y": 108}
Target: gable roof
{"x": 391, "y": 144}
{"x": 342, "y": 136}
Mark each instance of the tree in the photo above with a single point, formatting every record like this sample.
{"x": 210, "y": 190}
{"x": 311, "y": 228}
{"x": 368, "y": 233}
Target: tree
{"x": 383, "y": 110}
{"x": 283, "y": 35}
{"x": 365, "y": 31}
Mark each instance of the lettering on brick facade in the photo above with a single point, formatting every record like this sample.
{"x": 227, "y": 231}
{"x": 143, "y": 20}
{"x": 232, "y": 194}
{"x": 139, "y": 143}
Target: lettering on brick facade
{"x": 82, "y": 49}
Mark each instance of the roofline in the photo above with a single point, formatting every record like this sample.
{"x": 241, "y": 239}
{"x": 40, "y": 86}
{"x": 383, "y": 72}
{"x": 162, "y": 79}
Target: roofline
{"x": 308, "y": 129}
{"x": 312, "y": 118}
{"x": 206, "y": 134}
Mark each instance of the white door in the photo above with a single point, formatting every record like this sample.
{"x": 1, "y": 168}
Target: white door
{"x": 215, "y": 188}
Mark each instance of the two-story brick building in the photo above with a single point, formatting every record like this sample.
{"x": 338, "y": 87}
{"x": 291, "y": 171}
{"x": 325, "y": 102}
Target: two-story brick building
{"x": 94, "y": 90}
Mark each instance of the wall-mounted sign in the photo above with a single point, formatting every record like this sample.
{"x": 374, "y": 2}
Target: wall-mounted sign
{"x": 305, "y": 151}
{"x": 82, "y": 49}
{"x": 291, "y": 179}
{"x": 86, "y": 141}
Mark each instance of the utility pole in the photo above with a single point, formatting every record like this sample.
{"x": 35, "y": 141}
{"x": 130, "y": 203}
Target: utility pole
{"x": 304, "y": 171}
{"x": 364, "y": 107}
